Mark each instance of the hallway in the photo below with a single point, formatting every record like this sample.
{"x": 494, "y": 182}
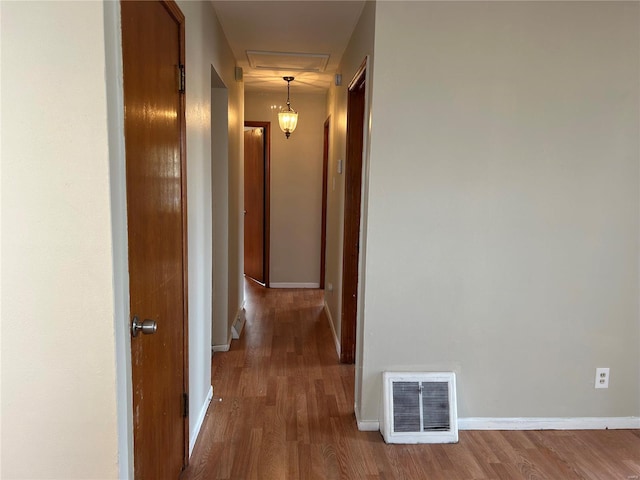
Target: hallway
{"x": 285, "y": 397}
{"x": 287, "y": 413}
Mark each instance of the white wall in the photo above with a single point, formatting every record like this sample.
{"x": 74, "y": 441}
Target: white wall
{"x": 236, "y": 200}
{"x": 296, "y": 185}
{"x": 206, "y": 47}
{"x": 58, "y": 347}
{"x": 359, "y": 48}
{"x": 503, "y": 206}
{"x": 220, "y": 186}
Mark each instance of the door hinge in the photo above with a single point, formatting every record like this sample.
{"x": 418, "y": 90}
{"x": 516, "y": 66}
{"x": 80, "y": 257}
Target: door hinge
{"x": 181, "y": 79}
{"x": 185, "y": 405}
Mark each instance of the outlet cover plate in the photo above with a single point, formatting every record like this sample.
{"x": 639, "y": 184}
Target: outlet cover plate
{"x": 602, "y": 378}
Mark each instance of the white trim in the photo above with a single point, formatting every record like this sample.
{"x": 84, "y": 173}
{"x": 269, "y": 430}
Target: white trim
{"x": 558, "y": 423}
{"x": 222, "y": 348}
{"x": 238, "y": 325}
{"x": 366, "y": 425}
{"x": 333, "y": 330}
{"x": 294, "y": 285}
{"x": 117, "y": 186}
{"x": 200, "y": 421}
{"x": 529, "y": 423}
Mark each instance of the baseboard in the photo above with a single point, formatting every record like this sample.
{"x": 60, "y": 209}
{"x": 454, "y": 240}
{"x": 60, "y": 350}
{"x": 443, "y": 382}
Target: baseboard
{"x": 529, "y": 423}
{"x": 222, "y": 348}
{"x": 333, "y": 329}
{"x": 200, "y": 421}
{"x": 293, "y": 285}
{"x": 238, "y": 325}
{"x": 366, "y": 425}
{"x": 535, "y": 423}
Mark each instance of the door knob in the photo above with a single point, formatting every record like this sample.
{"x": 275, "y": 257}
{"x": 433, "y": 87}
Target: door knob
{"x": 146, "y": 326}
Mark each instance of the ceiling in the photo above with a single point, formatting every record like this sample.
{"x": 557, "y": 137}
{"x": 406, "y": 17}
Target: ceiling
{"x": 288, "y": 38}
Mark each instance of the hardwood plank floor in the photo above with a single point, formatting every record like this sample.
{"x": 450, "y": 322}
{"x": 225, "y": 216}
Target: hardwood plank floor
{"x": 287, "y": 413}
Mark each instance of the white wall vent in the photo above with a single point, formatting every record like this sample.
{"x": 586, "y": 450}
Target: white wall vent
{"x": 419, "y": 407}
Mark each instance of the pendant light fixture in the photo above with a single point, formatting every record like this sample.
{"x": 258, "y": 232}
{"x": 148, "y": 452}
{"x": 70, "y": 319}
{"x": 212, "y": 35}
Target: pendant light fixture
{"x": 288, "y": 117}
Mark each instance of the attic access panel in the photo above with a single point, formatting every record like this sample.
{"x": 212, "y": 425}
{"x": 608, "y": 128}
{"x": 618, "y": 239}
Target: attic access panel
{"x": 288, "y": 61}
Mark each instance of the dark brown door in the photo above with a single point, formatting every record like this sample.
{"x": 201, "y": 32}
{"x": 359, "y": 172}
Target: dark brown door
{"x": 153, "y": 50}
{"x": 256, "y": 197}
{"x": 325, "y": 178}
{"x": 352, "y": 202}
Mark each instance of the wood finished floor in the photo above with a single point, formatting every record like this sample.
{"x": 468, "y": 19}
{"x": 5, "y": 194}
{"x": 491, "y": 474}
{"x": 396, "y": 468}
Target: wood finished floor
{"x": 287, "y": 413}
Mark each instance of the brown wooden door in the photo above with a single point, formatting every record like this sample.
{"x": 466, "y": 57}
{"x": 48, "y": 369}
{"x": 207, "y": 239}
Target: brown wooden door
{"x": 256, "y": 211}
{"x": 352, "y": 203}
{"x": 323, "y": 225}
{"x": 152, "y": 49}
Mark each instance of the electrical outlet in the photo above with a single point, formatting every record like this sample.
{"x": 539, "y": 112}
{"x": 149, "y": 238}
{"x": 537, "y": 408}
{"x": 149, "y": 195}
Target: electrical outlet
{"x": 602, "y": 378}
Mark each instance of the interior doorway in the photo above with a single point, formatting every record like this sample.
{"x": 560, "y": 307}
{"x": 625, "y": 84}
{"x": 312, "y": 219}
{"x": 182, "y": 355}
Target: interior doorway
{"x": 325, "y": 178}
{"x": 352, "y": 213}
{"x": 257, "y": 147}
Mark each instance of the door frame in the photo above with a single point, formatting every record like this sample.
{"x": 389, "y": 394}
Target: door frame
{"x": 267, "y": 194}
{"x": 117, "y": 171}
{"x": 354, "y": 215}
{"x": 173, "y": 8}
{"x": 325, "y": 179}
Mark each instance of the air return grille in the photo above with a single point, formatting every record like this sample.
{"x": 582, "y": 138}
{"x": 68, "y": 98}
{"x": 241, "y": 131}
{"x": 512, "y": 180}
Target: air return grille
{"x": 419, "y": 408}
